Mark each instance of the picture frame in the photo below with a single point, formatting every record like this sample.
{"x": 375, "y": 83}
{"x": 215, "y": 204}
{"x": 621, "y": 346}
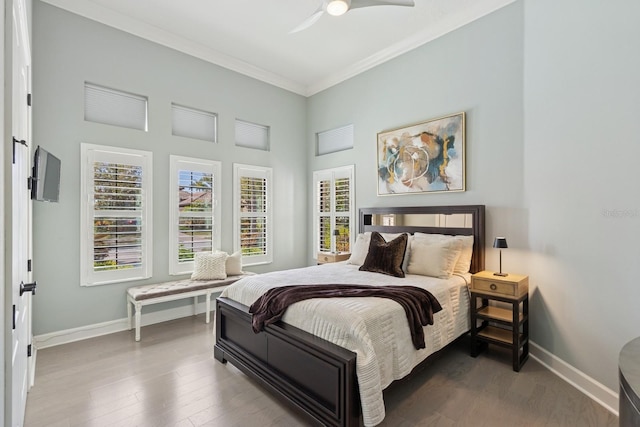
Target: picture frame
{"x": 427, "y": 157}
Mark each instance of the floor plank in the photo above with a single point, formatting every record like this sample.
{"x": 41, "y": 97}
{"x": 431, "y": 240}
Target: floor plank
{"x": 170, "y": 379}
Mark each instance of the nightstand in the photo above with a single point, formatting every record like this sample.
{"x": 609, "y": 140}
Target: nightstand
{"x": 327, "y": 257}
{"x": 507, "y": 327}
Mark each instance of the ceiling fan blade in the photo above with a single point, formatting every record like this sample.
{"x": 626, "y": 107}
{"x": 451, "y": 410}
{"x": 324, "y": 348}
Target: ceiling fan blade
{"x": 355, "y": 4}
{"x": 309, "y": 21}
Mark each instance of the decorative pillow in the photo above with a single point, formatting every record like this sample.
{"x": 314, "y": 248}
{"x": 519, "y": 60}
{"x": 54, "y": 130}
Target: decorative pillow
{"x": 435, "y": 259}
{"x": 209, "y": 266}
{"x": 385, "y": 257}
{"x": 463, "y": 265}
{"x": 390, "y": 236}
{"x": 360, "y": 249}
{"x": 233, "y": 264}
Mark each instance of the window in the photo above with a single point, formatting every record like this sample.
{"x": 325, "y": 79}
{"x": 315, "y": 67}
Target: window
{"x": 192, "y": 123}
{"x": 252, "y": 135}
{"x": 334, "y": 140}
{"x": 115, "y": 216}
{"x": 333, "y": 209}
{"x": 114, "y": 107}
{"x": 252, "y": 213}
{"x": 195, "y": 211}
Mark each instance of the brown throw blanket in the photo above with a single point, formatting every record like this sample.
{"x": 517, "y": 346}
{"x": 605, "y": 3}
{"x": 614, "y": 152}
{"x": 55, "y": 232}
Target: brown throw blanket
{"x": 419, "y": 304}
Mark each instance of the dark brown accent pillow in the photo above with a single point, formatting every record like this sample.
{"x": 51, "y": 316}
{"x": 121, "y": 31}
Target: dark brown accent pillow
{"x": 385, "y": 257}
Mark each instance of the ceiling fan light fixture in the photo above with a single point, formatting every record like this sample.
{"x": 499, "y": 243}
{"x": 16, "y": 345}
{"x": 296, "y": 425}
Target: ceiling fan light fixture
{"x": 337, "y": 7}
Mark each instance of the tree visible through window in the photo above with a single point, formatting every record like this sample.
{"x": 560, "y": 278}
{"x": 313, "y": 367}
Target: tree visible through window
{"x": 115, "y": 217}
{"x": 117, "y": 236}
{"x": 195, "y": 192}
{"x": 333, "y": 210}
{"x": 253, "y": 213}
{"x": 194, "y": 216}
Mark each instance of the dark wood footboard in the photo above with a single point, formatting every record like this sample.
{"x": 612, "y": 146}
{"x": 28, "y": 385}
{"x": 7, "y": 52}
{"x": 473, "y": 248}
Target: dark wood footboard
{"x": 316, "y": 376}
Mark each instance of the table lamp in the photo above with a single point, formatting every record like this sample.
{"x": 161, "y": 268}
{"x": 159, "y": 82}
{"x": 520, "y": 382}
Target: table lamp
{"x": 500, "y": 243}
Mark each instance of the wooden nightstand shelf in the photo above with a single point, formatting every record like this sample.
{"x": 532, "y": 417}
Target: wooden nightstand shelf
{"x": 500, "y": 326}
{"x": 327, "y": 257}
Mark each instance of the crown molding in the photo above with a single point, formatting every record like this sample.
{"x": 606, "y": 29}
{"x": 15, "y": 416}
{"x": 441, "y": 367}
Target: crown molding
{"x": 90, "y": 10}
{"x": 439, "y": 29}
{"x": 155, "y": 34}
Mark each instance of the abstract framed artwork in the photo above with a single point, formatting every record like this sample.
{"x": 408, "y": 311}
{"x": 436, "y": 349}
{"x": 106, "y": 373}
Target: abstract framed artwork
{"x": 427, "y": 157}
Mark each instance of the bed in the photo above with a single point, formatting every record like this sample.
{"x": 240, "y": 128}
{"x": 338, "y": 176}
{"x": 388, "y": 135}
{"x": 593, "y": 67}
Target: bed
{"x": 335, "y": 372}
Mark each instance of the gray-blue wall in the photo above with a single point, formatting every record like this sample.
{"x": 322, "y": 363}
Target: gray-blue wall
{"x": 582, "y": 185}
{"x": 69, "y": 50}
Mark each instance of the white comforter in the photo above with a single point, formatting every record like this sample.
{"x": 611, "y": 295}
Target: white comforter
{"x": 375, "y": 329}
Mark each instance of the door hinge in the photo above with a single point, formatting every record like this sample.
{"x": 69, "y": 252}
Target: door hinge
{"x": 28, "y": 265}
{"x": 29, "y": 99}
{"x": 14, "y": 316}
{"x": 17, "y": 141}
{"x": 29, "y": 350}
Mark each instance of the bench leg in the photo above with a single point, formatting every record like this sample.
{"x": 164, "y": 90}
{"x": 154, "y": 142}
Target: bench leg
{"x": 195, "y": 306}
{"x": 207, "y": 298}
{"x": 138, "y": 316}
{"x": 128, "y": 314}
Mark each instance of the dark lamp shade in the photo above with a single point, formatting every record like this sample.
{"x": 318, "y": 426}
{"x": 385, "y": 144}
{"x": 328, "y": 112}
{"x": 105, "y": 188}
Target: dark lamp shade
{"x": 500, "y": 242}
{"x": 336, "y": 232}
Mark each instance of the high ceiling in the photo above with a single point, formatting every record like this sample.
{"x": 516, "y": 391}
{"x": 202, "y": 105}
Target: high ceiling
{"x": 253, "y": 37}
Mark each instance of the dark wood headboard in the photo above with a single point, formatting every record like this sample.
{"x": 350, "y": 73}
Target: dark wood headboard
{"x": 474, "y": 214}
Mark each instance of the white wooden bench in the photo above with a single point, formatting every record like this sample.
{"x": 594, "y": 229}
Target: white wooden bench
{"x": 139, "y": 296}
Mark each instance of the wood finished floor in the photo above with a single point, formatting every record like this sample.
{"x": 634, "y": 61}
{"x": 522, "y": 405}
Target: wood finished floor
{"x": 170, "y": 378}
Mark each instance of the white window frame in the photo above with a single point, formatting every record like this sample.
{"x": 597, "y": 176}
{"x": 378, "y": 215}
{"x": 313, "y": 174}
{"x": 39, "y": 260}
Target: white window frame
{"x": 331, "y": 175}
{"x": 178, "y": 163}
{"x": 90, "y": 154}
{"x": 240, "y": 171}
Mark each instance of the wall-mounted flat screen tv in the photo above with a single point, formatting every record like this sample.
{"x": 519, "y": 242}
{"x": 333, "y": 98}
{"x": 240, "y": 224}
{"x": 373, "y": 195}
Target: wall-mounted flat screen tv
{"x": 45, "y": 179}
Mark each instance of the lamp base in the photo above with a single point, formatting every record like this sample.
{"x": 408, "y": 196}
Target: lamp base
{"x": 501, "y": 274}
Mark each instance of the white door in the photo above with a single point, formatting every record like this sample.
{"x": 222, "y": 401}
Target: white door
{"x": 20, "y": 213}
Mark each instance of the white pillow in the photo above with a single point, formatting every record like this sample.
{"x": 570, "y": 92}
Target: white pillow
{"x": 233, "y": 265}
{"x": 209, "y": 266}
{"x": 435, "y": 259}
{"x": 360, "y": 249}
{"x": 463, "y": 265}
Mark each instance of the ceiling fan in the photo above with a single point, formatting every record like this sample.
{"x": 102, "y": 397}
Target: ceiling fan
{"x": 340, "y": 7}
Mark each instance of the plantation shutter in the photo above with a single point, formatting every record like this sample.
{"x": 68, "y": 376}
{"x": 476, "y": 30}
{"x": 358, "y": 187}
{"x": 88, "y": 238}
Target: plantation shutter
{"x": 324, "y": 214}
{"x": 253, "y": 213}
{"x": 342, "y": 192}
{"x": 195, "y": 189}
{"x": 333, "y": 200}
{"x": 116, "y": 215}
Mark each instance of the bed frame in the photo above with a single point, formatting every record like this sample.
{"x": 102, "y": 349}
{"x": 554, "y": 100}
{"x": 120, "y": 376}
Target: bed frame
{"x": 314, "y": 375}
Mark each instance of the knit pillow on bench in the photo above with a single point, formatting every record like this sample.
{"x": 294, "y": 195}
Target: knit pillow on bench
{"x": 209, "y": 266}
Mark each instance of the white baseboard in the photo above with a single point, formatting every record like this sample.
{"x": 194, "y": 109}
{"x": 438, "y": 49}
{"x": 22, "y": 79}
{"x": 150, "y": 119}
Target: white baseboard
{"x": 90, "y": 331}
{"x": 592, "y": 388}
